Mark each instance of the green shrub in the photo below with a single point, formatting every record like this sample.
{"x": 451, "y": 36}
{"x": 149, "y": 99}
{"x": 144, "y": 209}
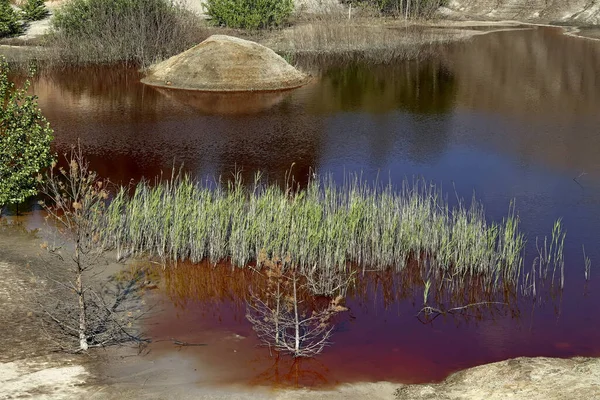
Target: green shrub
{"x": 10, "y": 23}
{"x": 34, "y": 10}
{"x": 249, "y": 14}
{"x": 25, "y": 138}
{"x": 140, "y": 31}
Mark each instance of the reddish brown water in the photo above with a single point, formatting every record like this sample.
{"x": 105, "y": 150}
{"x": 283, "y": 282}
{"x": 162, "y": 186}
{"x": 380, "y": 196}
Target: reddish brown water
{"x": 379, "y": 338}
{"x": 511, "y": 115}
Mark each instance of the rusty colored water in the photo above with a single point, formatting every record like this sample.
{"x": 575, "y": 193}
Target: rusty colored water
{"x": 509, "y": 115}
{"x": 380, "y": 337}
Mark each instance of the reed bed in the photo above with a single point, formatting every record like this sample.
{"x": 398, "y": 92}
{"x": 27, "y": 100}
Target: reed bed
{"x": 312, "y": 45}
{"x": 323, "y": 230}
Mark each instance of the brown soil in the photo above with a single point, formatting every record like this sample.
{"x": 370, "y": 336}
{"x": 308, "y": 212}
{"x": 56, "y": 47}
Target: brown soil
{"x": 21, "y": 270}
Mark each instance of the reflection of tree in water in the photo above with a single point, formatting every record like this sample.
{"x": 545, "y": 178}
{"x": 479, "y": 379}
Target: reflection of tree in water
{"x": 286, "y": 318}
{"x": 418, "y": 87}
{"x": 381, "y": 326}
{"x": 295, "y": 372}
{"x": 408, "y": 103}
{"x": 116, "y": 87}
{"x": 371, "y": 292}
{"x": 380, "y": 329}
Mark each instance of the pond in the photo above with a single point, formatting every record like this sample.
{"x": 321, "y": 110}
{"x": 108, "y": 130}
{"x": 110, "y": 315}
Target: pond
{"x": 507, "y": 115}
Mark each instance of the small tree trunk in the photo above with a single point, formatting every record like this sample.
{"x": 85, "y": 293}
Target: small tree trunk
{"x": 296, "y": 321}
{"x": 277, "y": 315}
{"x": 83, "y": 344}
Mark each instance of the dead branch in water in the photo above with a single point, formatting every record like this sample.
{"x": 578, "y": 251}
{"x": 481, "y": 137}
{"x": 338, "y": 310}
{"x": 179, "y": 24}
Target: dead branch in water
{"x": 429, "y": 311}
{"x": 180, "y": 343}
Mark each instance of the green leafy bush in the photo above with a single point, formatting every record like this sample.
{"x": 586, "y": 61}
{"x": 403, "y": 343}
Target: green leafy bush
{"x": 141, "y": 31}
{"x": 10, "y": 23}
{"x": 25, "y": 138}
{"x": 249, "y": 14}
{"x": 34, "y": 10}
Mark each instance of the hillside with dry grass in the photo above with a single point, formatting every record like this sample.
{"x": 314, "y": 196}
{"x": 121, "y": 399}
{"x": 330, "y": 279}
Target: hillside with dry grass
{"x": 578, "y": 12}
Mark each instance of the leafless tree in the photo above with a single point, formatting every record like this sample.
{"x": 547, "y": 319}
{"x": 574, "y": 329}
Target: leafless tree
{"x": 75, "y": 199}
{"x": 283, "y": 322}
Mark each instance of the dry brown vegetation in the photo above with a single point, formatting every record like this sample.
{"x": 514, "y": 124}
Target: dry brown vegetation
{"x": 376, "y": 40}
{"x": 140, "y": 31}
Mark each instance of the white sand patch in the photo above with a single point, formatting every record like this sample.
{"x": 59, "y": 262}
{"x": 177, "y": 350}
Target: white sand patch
{"x": 40, "y": 381}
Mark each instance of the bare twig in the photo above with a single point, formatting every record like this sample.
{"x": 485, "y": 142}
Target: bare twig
{"x": 180, "y": 343}
{"x": 428, "y": 310}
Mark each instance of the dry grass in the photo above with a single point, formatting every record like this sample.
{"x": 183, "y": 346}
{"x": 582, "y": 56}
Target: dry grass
{"x": 377, "y": 40}
{"x": 109, "y": 31}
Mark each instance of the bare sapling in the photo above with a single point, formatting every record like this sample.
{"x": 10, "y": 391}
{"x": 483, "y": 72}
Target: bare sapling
{"x": 282, "y": 318}
{"x": 75, "y": 199}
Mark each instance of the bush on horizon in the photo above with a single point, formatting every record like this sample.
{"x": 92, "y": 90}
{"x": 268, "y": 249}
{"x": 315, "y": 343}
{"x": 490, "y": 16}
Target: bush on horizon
{"x": 34, "y": 10}
{"x": 249, "y": 14}
{"x": 138, "y": 31}
{"x": 10, "y": 23}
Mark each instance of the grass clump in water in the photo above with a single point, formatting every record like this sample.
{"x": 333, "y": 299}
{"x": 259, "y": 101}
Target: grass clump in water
{"x": 322, "y": 230}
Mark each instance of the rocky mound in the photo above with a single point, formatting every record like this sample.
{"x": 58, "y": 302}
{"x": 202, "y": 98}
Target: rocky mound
{"x": 224, "y": 63}
{"x": 537, "y": 378}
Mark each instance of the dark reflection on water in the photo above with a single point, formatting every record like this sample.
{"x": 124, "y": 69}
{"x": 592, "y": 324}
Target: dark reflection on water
{"x": 532, "y": 94}
{"x": 129, "y": 130}
{"x": 378, "y": 338}
{"x": 509, "y": 115}
{"x": 423, "y": 88}
{"x": 238, "y": 103}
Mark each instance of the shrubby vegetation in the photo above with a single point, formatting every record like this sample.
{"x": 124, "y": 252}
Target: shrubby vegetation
{"x": 34, "y": 10}
{"x": 139, "y": 31}
{"x": 249, "y": 14}
{"x": 25, "y": 138}
{"x": 10, "y": 21}
{"x": 405, "y": 8}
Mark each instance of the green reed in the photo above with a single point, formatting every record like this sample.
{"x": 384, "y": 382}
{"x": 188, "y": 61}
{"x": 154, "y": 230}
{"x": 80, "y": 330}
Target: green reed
{"x": 326, "y": 227}
{"x": 550, "y": 256}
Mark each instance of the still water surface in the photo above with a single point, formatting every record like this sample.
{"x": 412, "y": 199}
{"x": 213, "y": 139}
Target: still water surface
{"x": 508, "y": 115}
